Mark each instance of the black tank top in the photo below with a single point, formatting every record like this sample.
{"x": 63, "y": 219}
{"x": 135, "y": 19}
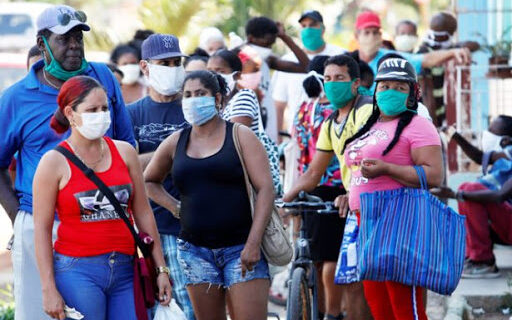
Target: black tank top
{"x": 215, "y": 209}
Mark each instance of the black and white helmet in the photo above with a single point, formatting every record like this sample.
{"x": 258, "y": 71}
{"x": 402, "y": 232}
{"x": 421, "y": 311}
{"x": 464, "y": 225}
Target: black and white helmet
{"x": 396, "y": 69}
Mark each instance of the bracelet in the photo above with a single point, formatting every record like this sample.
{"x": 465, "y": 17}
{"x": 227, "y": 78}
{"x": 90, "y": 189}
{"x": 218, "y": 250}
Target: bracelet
{"x": 459, "y": 196}
{"x": 163, "y": 269}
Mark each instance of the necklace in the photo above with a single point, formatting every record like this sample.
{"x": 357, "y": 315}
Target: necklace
{"x": 49, "y": 82}
{"x": 95, "y": 163}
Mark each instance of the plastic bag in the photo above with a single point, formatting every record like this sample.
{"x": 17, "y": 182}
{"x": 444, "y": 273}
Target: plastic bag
{"x": 346, "y": 268}
{"x": 171, "y": 312}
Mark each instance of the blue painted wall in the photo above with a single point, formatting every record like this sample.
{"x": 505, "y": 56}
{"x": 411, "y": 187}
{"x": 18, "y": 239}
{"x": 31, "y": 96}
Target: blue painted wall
{"x": 489, "y": 18}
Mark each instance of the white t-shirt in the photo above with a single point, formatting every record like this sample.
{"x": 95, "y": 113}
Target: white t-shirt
{"x": 287, "y": 87}
{"x": 268, "y": 103}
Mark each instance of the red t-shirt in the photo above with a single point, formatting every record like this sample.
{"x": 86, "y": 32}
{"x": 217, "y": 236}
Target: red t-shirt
{"x": 89, "y": 225}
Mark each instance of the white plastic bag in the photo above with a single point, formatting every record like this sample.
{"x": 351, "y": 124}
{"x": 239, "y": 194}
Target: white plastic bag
{"x": 171, "y": 312}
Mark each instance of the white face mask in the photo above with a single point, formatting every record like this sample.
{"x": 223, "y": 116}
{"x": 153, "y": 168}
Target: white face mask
{"x": 369, "y": 44}
{"x": 263, "y": 52}
{"x": 229, "y": 80}
{"x": 405, "y": 42}
{"x": 491, "y": 142}
{"x": 430, "y": 39}
{"x": 131, "y": 73}
{"x": 166, "y": 80}
{"x": 94, "y": 124}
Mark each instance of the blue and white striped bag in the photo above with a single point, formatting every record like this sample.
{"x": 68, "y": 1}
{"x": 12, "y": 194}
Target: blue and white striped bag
{"x": 346, "y": 268}
{"x": 408, "y": 236}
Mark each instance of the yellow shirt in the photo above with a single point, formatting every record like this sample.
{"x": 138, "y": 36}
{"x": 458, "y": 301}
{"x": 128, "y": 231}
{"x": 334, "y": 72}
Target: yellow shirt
{"x": 331, "y": 140}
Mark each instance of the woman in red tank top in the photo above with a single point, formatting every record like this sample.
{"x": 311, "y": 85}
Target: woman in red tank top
{"x": 92, "y": 267}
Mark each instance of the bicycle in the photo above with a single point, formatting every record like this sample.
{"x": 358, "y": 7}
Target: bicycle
{"x": 302, "y": 286}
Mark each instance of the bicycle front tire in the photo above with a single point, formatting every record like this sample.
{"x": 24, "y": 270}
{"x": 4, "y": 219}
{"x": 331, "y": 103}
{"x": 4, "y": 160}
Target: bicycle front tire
{"x": 299, "y": 299}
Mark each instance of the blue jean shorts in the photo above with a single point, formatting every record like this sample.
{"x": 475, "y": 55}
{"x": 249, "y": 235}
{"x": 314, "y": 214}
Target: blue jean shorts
{"x": 220, "y": 267}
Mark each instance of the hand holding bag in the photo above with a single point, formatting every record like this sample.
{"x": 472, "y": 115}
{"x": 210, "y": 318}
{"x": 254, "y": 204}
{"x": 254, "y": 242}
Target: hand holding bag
{"x": 144, "y": 286}
{"x": 275, "y": 243}
{"x": 408, "y": 236}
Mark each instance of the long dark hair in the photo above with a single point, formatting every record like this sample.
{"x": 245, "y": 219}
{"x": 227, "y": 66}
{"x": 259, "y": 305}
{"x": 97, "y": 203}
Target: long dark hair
{"x": 405, "y": 119}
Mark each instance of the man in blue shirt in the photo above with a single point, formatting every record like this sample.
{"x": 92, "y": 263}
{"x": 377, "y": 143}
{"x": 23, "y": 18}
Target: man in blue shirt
{"x": 25, "y": 112}
{"x": 369, "y": 37}
{"x": 154, "y": 118}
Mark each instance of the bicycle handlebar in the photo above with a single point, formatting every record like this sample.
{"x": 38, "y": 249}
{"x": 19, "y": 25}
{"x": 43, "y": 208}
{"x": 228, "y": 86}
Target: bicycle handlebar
{"x": 309, "y": 203}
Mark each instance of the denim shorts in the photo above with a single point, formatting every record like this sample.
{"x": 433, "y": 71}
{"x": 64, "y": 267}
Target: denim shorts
{"x": 220, "y": 267}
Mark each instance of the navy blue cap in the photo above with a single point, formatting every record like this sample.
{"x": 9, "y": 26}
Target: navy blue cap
{"x": 312, "y": 14}
{"x": 161, "y": 46}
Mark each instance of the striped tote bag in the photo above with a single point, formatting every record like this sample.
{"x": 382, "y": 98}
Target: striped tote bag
{"x": 408, "y": 236}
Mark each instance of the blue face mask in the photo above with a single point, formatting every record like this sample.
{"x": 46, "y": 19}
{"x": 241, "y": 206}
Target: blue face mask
{"x": 198, "y": 110}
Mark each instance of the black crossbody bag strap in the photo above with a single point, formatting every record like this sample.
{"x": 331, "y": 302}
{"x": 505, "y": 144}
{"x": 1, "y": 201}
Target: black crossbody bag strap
{"x": 89, "y": 173}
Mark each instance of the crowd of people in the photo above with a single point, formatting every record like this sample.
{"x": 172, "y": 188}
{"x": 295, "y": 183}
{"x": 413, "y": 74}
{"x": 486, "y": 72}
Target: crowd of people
{"x": 174, "y": 136}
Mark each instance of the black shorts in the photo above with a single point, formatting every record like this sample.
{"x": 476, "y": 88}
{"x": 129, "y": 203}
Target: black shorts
{"x": 325, "y": 231}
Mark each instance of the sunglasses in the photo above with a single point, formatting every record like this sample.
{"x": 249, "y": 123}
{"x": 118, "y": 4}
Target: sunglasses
{"x": 65, "y": 18}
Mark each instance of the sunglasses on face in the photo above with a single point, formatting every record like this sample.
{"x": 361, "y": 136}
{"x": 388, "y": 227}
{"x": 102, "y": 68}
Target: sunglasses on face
{"x": 65, "y": 17}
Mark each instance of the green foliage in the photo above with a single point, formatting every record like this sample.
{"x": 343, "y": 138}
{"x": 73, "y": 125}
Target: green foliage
{"x": 169, "y": 16}
{"x": 502, "y": 46}
{"x": 6, "y": 304}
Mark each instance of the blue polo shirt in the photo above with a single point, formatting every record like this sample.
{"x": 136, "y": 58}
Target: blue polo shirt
{"x": 25, "y": 112}
{"x": 415, "y": 59}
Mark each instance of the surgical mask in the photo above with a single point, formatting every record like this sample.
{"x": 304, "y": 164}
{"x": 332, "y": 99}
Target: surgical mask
{"x": 364, "y": 91}
{"x": 94, "y": 124}
{"x": 392, "y": 102}
{"x": 166, "y": 80}
{"x": 250, "y": 80}
{"x": 369, "y": 44}
{"x": 263, "y": 52}
{"x": 55, "y": 68}
{"x": 491, "y": 142}
{"x": 339, "y": 93}
{"x": 198, "y": 110}
{"x": 430, "y": 39}
{"x": 131, "y": 73}
{"x": 405, "y": 42}
{"x": 229, "y": 80}
{"x": 312, "y": 38}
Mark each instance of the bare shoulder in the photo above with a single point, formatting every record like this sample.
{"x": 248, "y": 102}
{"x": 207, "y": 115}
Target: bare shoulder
{"x": 168, "y": 146}
{"x": 124, "y": 147}
{"x": 52, "y": 162}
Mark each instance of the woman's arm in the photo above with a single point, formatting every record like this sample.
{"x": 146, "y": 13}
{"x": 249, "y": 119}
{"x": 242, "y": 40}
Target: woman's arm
{"x": 258, "y": 170}
{"x": 144, "y": 217}
{"x": 156, "y": 172}
{"x": 45, "y": 190}
{"x": 429, "y": 157}
{"x": 246, "y": 121}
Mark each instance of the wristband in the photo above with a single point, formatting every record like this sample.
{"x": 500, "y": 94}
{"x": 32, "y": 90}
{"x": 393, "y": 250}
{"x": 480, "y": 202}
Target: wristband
{"x": 163, "y": 269}
{"x": 459, "y": 196}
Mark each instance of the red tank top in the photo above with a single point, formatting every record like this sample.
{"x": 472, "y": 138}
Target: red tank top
{"x": 89, "y": 225}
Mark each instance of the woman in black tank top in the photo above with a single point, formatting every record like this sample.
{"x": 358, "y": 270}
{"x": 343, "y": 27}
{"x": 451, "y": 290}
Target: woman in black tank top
{"x": 219, "y": 242}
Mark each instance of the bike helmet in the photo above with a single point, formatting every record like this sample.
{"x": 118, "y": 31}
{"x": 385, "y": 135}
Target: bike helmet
{"x": 396, "y": 69}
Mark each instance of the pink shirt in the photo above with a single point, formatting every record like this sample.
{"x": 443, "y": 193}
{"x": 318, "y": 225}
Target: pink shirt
{"x": 419, "y": 133}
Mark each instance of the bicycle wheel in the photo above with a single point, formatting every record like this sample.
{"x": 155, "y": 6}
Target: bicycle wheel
{"x": 299, "y": 299}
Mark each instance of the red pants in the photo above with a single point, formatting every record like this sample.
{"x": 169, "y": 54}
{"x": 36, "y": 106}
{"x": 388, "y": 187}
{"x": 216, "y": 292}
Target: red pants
{"x": 394, "y": 301}
{"x": 480, "y": 218}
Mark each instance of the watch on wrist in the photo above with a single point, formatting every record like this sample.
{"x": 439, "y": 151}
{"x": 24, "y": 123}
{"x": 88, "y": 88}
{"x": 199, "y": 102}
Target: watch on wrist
{"x": 459, "y": 196}
{"x": 162, "y": 269}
